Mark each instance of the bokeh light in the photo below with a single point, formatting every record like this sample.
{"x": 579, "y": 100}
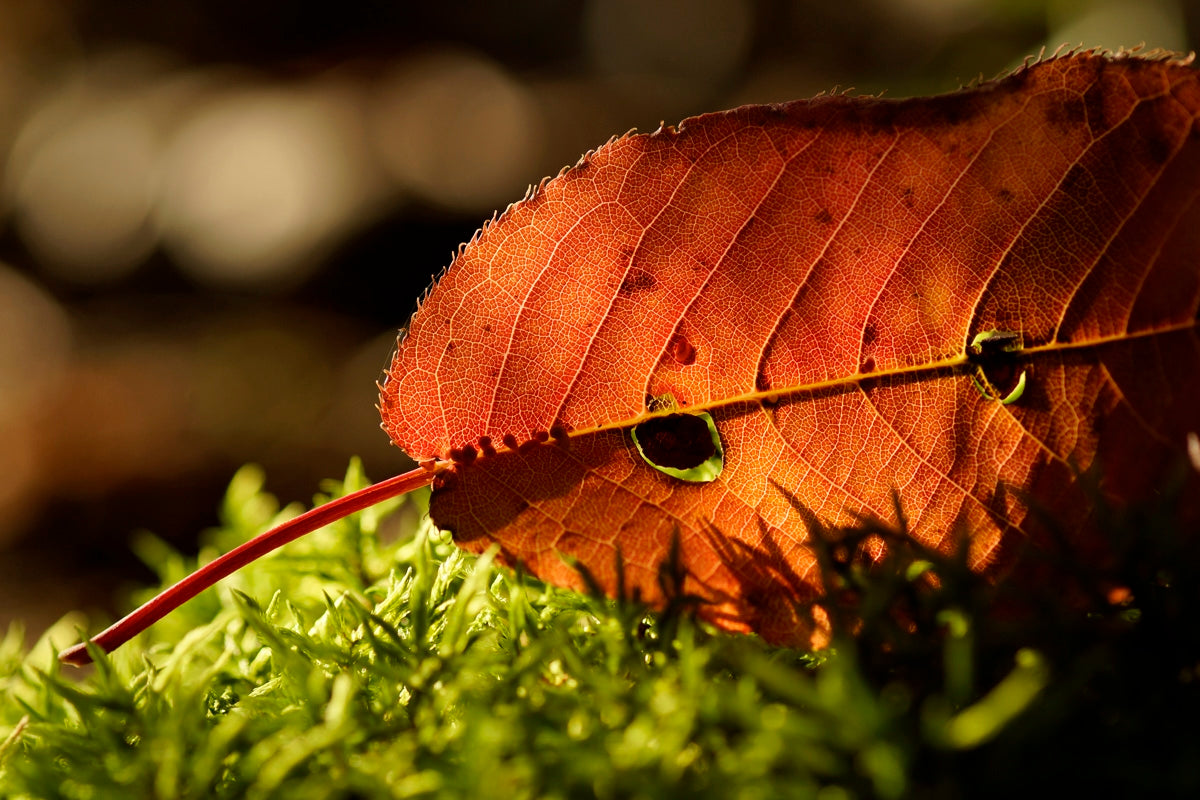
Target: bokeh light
{"x": 35, "y": 339}
{"x": 457, "y": 129}
{"x": 259, "y": 182}
{"x": 35, "y": 336}
{"x": 81, "y": 178}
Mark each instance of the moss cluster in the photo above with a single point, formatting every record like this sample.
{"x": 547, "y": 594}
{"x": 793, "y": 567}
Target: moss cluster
{"x": 386, "y": 663}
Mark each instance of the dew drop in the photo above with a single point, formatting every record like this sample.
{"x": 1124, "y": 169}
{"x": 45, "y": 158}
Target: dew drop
{"x": 685, "y": 446}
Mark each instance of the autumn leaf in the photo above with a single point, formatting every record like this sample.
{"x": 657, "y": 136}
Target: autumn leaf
{"x": 715, "y": 333}
{"x": 960, "y": 299}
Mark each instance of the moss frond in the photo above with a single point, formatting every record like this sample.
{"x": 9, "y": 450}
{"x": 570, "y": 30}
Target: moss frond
{"x": 375, "y": 659}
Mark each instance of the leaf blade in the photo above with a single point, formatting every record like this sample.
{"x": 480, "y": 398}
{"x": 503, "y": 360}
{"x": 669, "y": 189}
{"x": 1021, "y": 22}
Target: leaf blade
{"x": 812, "y": 275}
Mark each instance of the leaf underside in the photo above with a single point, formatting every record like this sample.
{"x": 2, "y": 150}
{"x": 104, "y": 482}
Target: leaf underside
{"x": 813, "y": 275}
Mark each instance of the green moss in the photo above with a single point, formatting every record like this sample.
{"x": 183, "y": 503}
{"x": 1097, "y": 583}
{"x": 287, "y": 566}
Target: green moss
{"x": 374, "y": 659}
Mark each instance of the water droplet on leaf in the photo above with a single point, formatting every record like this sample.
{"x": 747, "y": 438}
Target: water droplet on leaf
{"x": 684, "y": 446}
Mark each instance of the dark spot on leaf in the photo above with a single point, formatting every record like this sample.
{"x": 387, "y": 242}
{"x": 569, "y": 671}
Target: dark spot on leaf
{"x": 682, "y": 350}
{"x": 677, "y": 441}
{"x": 487, "y": 328}
{"x": 1078, "y": 182}
{"x": 558, "y": 432}
{"x": 956, "y": 109}
{"x": 868, "y": 365}
{"x": 1066, "y": 117}
{"x": 1101, "y": 113}
{"x": 824, "y": 217}
{"x": 1158, "y": 150}
{"x": 450, "y": 347}
{"x": 869, "y": 334}
{"x": 761, "y": 383}
{"x": 638, "y": 280}
{"x": 908, "y": 196}
{"x": 1005, "y": 195}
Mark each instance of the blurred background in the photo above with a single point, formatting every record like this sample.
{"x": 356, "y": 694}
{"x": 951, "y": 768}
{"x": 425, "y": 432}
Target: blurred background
{"x": 214, "y": 214}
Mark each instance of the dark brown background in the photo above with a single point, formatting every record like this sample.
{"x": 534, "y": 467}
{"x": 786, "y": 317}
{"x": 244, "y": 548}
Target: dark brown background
{"x": 214, "y": 215}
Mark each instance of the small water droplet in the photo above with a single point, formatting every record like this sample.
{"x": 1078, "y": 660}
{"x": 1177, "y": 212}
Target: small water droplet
{"x": 684, "y": 446}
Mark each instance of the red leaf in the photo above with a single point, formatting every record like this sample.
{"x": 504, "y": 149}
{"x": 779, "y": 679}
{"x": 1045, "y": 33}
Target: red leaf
{"x": 960, "y": 298}
{"x": 813, "y": 275}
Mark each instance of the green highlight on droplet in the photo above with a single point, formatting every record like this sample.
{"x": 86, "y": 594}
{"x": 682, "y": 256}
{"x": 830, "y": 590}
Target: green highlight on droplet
{"x": 704, "y": 472}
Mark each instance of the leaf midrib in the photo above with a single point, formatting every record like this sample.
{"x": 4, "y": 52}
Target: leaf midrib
{"x": 945, "y": 364}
